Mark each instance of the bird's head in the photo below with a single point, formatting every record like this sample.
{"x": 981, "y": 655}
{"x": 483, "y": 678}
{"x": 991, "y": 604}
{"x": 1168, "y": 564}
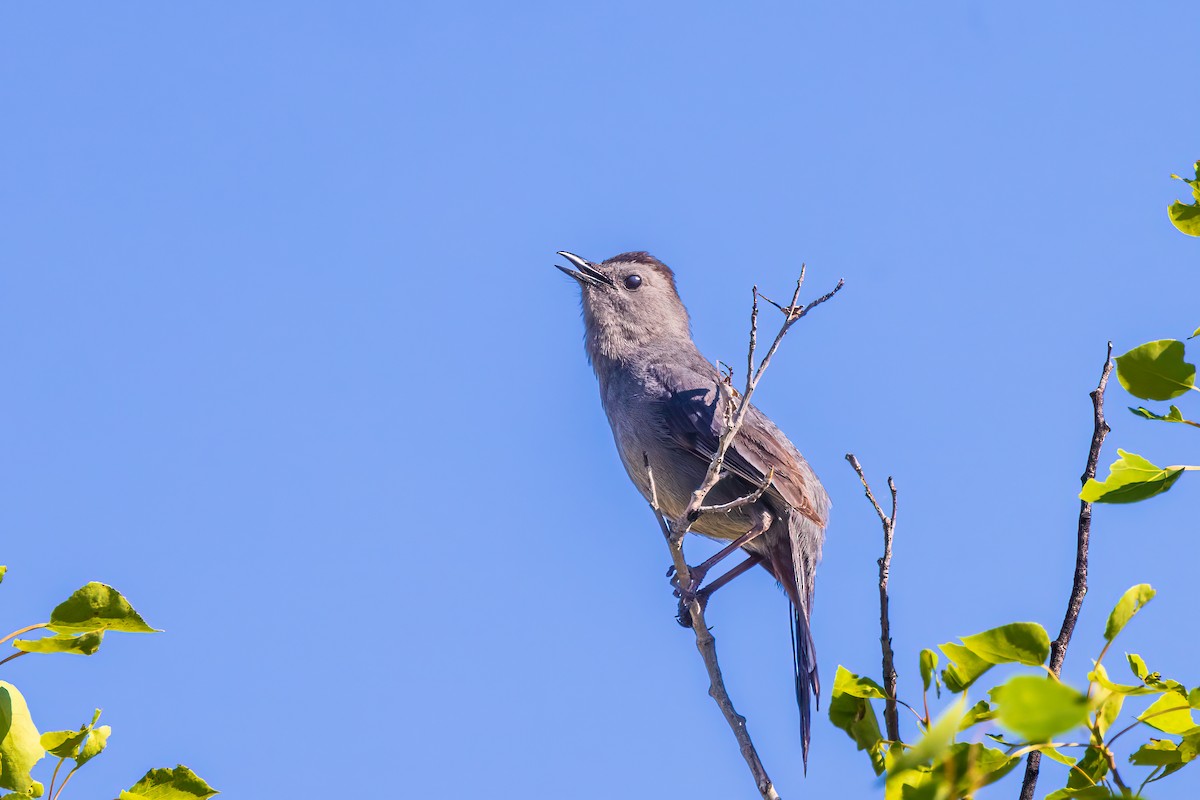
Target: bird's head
{"x": 629, "y": 303}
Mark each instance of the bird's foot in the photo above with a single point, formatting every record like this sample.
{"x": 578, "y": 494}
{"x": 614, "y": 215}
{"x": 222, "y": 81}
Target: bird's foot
{"x": 689, "y": 593}
{"x": 684, "y": 613}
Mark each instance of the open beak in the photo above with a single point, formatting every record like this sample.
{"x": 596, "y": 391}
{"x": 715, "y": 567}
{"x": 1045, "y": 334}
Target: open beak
{"x": 587, "y": 274}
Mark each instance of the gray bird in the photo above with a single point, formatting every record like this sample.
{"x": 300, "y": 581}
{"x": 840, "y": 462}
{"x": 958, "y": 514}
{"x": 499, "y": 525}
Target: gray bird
{"x": 662, "y": 400}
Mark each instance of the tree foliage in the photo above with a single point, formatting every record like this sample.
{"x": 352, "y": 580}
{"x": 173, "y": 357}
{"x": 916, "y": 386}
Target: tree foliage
{"x": 76, "y": 626}
{"x": 1075, "y": 724}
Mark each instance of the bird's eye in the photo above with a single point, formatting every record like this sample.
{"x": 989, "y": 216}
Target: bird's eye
{"x": 633, "y": 281}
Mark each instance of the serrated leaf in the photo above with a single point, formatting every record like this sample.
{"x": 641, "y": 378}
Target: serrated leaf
{"x": 20, "y": 743}
{"x": 1038, "y": 708}
{"x": 856, "y": 717}
{"x": 1169, "y": 714}
{"x": 84, "y": 644}
{"x": 1130, "y": 478}
{"x": 97, "y": 607}
{"x": 1130, "y": 603}
{"x": 179, "y": 783}
{"x": 1156, "y": 370}
{"x": 980, "y": 712}
{"x": 929, "y": 662}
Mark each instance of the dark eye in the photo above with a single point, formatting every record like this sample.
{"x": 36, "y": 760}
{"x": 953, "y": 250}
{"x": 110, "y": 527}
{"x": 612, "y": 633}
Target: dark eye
{"x": 633, "y": 281}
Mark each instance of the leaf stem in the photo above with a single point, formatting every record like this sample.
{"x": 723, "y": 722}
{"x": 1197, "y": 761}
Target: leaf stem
{"x": 26, "y": 629}
{"x": 18, "y": 654}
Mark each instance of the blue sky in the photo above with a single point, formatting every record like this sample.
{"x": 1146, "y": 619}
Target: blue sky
{"x": 287, "y": 363}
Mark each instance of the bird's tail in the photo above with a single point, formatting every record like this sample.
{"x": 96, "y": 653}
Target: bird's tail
{"x": 795, "y": 574}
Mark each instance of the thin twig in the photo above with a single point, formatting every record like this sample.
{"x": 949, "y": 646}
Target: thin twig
{"x": 675, "y": 531}
{"x": 733, "y": 505}
{"x": 1058, "y": 648}
{"x": 890, "y": 715}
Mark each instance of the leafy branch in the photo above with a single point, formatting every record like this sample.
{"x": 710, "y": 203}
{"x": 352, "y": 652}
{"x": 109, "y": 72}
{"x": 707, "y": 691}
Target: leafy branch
{"x": 77, "y": 626}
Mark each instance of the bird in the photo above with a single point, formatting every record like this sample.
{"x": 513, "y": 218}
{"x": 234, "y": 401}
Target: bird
{"x": 667, "y": 411}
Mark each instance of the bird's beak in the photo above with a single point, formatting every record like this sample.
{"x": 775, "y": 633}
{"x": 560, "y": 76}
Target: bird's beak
{"x": 587, "y": 274}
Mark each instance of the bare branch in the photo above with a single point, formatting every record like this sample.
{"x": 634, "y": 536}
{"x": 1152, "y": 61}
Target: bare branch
{"x": 674, "y": 531}
{"x": 890, "y": 715}
{"x": 733, "y": 505}
{"x": 1058, "y": 648}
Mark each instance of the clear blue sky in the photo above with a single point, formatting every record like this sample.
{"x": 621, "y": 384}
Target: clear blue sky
{"x": 286, "y": 362}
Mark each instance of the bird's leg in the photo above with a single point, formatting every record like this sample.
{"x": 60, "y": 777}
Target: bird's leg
{"x": 700, "y": 570}
{"x": 684, "y": 618}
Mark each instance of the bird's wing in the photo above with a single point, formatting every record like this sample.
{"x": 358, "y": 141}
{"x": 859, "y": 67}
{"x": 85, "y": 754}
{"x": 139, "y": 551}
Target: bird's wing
{"x": 693, "y": 420}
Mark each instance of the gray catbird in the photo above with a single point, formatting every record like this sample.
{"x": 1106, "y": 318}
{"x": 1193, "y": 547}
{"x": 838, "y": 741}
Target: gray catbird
{"x": 662, "y": 401}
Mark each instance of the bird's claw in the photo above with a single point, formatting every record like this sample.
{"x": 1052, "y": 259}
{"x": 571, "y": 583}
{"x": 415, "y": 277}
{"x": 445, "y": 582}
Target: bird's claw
{"x": 684, "y": 615}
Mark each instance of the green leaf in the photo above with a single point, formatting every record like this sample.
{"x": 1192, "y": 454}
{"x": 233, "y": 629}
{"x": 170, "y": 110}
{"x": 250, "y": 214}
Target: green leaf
{"x": 1158, "y": 753}
{"x": 94, "y": 746}
{"x": 179, "y": 783}
{"x": 1130, "y": 478}
{"x": 97, "y": 607}
{"x": 1108, "y": 710}
{"x": 63, "y": 744}
{"x": 966, "y": 767}
{"x": 1020, "y": 642}
{"x": 980, "y": 712}
{"x": 846, "y": 682}
{"x": 1053, "y": 752}
{"x": 20, "y": 745}
{"x": 935, "y": 741}
{"x": 1100, "y": 677}
{"x": 1082, "y": 793}
{"x": 929, "y": 662}
{"x": 1038, "y": 708}
{"x": 1169, "y": 714}
{"x": 1156, "y": 370}
{"x": 1194, "y": 697}
{"x": 1137, "y": 665}
{"x": 1185, "y": 217}
{"x": 964, "y": 669}
{"x": 1130, "y": 603}
{"x": 903, "y": 785}
{"x": 854, "y": 714}
{"x": 3, "y": 572}
{"x": 1086, "y": 773}
{"x": 84, "y": 644}
{"x": 1174, "y": 415}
